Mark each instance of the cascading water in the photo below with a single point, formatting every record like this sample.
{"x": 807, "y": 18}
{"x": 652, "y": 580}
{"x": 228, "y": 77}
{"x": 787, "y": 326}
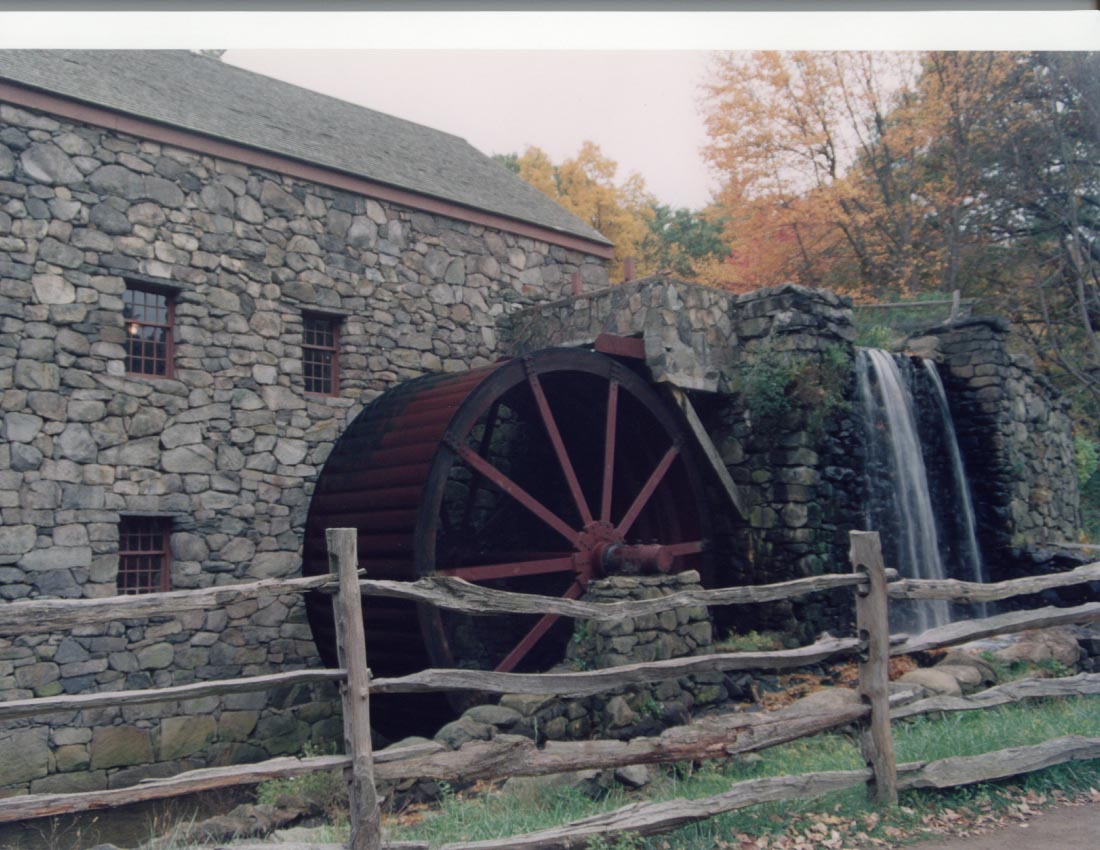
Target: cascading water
{"x": 970, "y": 556}
{"x": 916, "y": 491}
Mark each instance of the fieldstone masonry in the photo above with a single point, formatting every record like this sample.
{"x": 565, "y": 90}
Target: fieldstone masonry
{"x": 227, "y": 447}
{"x": 1016, "y": 439}
{"x": 627, "y": 712}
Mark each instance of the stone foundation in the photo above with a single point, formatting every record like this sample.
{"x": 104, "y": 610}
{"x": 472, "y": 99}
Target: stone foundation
{"x": 624, "y": 713}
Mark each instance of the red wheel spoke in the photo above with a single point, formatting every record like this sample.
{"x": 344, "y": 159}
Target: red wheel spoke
{"x": 559, "y": 448}
{"x": 507, "y": 485}
{"x": 692, "y": 547}
{"x": 510, "y": 570}
{"x": 646, "y": 493}
{"x": 532, "y": 637}
{"x": 609, "y": 450}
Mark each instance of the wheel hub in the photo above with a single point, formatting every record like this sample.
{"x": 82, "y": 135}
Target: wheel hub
{"x": 602, "y": 550}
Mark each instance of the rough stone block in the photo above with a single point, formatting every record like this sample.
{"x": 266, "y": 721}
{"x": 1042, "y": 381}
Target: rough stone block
{"x": 184, "y": 736}
{"x": 24, "y": 755}
{"x": 120, "y": 746}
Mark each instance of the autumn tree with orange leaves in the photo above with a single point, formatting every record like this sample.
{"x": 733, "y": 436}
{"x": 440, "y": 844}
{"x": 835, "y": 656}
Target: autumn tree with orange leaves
{"x": 683, "y": 242}
{"x": 586, "y": 185}
{"x": 891, "y": 175}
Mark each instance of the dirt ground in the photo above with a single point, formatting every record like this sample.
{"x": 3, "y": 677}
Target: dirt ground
{"x": 1074, "y": 827}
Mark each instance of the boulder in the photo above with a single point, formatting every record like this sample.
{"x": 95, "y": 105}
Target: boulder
{"x": 970, "y": 678}
{"x": 495, "y": 715}
{"x": 1058, "y": 644}
{"x": 934, "y": 681}
{"x": 633, "y": 775}
{"x": 973, "y": 659}
{"x": 458, "y": 732}
{"x": 535, "y": 788}
{"x": 827, "y": 699}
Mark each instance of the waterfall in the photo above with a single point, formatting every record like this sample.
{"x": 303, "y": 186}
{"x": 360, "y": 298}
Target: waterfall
{"x": 899, "y": 504}
{"x": 972, "y": 567}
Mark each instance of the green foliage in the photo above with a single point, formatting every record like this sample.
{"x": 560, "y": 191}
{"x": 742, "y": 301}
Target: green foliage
{"x": 874, "y": 336}
{"x": 752, "y": 641}
{"x": 1087, "y": 453}
{"x": 1088, "y": 462}
{"x": 622, "y": 841}
{"x": 807, "y": 389}
{"x": 766, "y": 384}
{"x": 679, "y": 239}
{"x": 321, "y": 791}
{"x": 508, "y": 160}
{"x": 1010, "y": 671}
{"x": 651, "y": 707}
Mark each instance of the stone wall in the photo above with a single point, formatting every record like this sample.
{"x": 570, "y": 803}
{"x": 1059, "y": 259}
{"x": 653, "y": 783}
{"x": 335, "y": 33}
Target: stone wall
{"x": 786, "y": 432}
{"x": 229, "y": 446}
{"x": 686, "y": 328}
{"x": 1016, "y": 439}
{"x": 627, "y": 712}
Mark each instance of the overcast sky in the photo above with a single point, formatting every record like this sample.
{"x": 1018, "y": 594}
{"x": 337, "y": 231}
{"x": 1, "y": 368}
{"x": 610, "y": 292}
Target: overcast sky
{"x": 640, "y": 107}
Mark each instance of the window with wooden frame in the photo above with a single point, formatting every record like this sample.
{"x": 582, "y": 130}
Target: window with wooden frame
{"x": 321, "y": 354}
{"x": 149, "y": 314}
{"x": 144, "y": 560}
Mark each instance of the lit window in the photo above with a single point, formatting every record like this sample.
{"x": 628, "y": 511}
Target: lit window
{"x": 149, "y": 317}
{"x": 320, "y": 360}
{"x": 143, "y": 556}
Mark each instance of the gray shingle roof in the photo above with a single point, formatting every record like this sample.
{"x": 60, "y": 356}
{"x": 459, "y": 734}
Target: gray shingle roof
{"x": 204, "y": 95}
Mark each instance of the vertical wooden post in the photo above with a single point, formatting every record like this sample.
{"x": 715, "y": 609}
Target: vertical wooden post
{"x": 351, "y": 647}
{"x": 877, "y": 742}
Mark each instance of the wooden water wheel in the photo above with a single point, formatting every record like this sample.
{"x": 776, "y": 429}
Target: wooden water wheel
{"x": 535, "y": 475}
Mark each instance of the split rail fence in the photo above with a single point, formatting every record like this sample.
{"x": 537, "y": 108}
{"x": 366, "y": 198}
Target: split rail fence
{"x": 718, "y": 737}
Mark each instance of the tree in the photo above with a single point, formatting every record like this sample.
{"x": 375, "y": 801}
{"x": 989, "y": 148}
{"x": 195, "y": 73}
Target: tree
{"x": 886, "y": 175}
{"x": 586, "y": 186}
{"x": 682, "y": 241}
{"x": 1047, "y": 213}
{"x": 786, "y": 130}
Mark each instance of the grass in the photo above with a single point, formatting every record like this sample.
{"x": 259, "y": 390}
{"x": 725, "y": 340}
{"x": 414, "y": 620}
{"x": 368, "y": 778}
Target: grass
{"x": 495, "y": 813}
{"x": 752, "y": 641}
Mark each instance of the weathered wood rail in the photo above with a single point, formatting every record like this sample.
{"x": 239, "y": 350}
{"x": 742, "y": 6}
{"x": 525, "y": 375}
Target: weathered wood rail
{"x": 507, "y": 755}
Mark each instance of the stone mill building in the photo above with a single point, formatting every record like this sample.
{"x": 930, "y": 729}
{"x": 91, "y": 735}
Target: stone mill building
{"x": 207, "y": 275}
{"x": 204, "y": 273}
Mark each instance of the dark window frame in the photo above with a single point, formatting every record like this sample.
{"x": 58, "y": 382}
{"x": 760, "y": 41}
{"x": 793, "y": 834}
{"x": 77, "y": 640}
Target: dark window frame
{"x": 314, "y": 352}
{"x": 168, "y": 327}
{"x": 139, "y": 570}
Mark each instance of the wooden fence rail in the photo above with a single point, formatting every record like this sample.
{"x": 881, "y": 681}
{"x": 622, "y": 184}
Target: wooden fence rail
{"x": 508, "y": 755}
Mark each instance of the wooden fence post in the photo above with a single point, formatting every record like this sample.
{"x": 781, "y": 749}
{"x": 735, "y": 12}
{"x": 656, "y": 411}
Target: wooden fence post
{"x": 877, "y": 742}
{"x": 351, "y": 646}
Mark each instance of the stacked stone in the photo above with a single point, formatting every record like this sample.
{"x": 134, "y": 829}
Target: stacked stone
{"x": 686, "y": 328}
{"x": 230, "y": 445}
{"x": 801, "y": 484}
{"x": 624, "y": 713}
{"x": 1016, "y": 438}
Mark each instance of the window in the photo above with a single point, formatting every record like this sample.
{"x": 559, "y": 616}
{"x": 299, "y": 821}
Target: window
{"x": 143, "y": 556}
{"x": 320, "y": 357}
{"x": 149, "y": 316}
